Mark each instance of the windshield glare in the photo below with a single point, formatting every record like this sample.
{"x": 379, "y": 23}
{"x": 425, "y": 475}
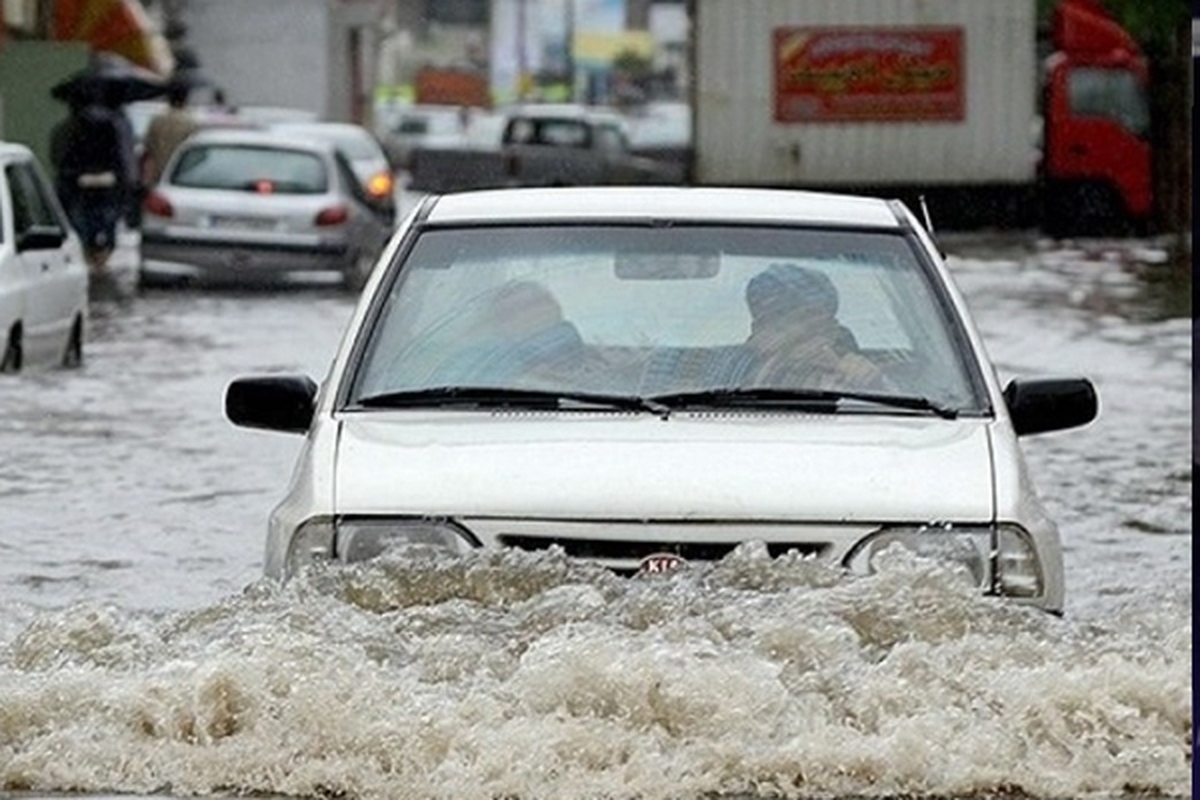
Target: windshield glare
{"x": 645, "y": 311}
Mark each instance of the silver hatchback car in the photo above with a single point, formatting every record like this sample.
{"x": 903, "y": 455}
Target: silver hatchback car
{"x": 646, "y": 377}
{"x": 245, "y": 204}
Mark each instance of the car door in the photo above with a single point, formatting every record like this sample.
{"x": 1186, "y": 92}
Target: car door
{"x": 12, "y": 268}
{"x": 44, "y": 262}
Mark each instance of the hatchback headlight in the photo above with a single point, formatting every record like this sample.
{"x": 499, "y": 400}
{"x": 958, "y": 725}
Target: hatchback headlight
{"x": 999, "y": 559}
{"x": 349, "y": 539}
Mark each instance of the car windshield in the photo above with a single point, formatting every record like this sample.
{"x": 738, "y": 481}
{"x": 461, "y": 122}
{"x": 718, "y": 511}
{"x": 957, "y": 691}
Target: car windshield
{"x": 703, "y": 314}
{"x": 250, "y": 168}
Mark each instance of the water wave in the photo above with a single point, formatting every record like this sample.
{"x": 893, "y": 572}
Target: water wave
{"x": 517, "y": 675}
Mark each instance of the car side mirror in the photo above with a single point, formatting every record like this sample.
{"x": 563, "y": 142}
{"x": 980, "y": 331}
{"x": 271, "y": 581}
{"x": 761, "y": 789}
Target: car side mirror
{"x": 1050, "y": 404}
{"x": 41, "y": 237}
{"x": 276, "y": 403}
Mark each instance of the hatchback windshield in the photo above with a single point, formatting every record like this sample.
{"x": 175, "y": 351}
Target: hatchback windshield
{"x": 251, "y": 169}
{"x": 654, "y": 312}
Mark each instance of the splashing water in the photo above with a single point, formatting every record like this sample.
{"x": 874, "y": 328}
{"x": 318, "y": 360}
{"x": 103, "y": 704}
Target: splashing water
{"x": 526, "y": 675}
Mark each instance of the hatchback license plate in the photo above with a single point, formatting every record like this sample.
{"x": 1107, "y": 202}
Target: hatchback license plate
{"x": 243, "y": 223}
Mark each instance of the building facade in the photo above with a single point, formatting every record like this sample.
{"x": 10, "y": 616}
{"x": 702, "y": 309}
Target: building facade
{"x": 314, "y": 55}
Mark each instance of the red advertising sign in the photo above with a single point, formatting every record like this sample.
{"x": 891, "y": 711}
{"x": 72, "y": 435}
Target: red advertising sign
{"x": 868, "y": 74}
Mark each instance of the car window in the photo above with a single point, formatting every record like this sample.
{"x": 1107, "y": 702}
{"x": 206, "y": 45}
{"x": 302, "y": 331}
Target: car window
{"x": 250, "y": 168}
{"x": 31, "y": 204}
{"x": 654, "y": 311}
{"x": 1110, "y": 94}
{"x": 412, "y": 125}
{"x": 562, "y": 133}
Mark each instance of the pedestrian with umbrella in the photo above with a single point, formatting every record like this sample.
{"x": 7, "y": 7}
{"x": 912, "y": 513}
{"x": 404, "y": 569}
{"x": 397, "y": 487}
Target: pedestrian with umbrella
{"x": 92, "y": 150}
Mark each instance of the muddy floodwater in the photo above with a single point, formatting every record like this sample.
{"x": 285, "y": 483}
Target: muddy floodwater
{"x": 141, "y": 654}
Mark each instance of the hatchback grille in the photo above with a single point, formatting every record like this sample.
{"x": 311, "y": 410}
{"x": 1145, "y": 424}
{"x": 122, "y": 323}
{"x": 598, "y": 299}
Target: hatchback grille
{"x": 621, "y": 550}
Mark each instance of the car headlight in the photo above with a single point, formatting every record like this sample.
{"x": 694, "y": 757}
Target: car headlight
{"x": 999, "y": 559}
{"x": 349, "y": 539}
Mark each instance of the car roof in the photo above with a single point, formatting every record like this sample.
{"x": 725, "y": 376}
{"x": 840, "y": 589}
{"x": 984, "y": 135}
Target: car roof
{"x": 349, "y": 128}
{"x": 259, "y": 136}
{"x": 706, "y": 204}
{"x": 272, "y": 114}
{"x": 416, "y": 109}
{"x": 14, "y": 150}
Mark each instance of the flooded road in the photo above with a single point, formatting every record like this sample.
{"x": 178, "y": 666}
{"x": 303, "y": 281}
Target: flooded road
{"x": 139, "y": 653}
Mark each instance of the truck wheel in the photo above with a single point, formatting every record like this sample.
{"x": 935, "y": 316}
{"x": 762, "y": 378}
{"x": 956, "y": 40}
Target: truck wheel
{"x": 1100, "y": 211}
{"x": 1085, "y": 209}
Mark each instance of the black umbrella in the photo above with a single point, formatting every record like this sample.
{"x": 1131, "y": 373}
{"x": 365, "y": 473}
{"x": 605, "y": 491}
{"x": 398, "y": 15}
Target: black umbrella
{"x": 111, "y": 79}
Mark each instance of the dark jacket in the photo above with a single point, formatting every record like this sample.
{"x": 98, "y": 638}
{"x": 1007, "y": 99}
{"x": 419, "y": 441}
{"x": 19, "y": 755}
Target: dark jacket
{"x": 93, "y": 139}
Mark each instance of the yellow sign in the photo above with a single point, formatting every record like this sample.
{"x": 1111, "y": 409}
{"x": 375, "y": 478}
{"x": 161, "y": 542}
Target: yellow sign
{"x": 603, "y": 48}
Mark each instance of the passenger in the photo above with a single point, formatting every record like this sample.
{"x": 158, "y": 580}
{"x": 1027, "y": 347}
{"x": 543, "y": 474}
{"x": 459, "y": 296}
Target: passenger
{"x": 521, "y": 335}
{"x": 795, "y": 339}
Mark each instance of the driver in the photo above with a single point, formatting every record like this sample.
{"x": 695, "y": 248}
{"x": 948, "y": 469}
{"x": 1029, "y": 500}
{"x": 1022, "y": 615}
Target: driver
{"x": 796, "y": 341}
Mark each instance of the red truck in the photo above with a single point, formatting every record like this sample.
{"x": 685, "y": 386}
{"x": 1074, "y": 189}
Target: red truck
{"x": 953, "y": 100}
{"x": 1096, "y": 157}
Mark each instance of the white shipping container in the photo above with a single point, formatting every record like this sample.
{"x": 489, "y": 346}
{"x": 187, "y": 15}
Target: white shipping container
{"x": 738, "y": 141}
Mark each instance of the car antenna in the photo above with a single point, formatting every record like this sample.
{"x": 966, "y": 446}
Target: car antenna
{"x": 925, "y": 214}
{"x": 929, "y": 223}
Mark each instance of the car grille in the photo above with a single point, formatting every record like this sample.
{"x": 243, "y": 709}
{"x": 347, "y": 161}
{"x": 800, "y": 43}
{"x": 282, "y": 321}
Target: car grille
{"x": 608, "y": 550}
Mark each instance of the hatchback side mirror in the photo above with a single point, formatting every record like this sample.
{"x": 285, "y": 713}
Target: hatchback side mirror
{"x": 1050, "y": 404}
{"x": 275, "y": 403}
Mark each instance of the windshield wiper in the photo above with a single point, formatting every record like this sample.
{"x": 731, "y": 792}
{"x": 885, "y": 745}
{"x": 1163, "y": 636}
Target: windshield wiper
{"x": 734, "y": 396}
{"x": 501, "y": 397}
{"x": 662, "y": 405}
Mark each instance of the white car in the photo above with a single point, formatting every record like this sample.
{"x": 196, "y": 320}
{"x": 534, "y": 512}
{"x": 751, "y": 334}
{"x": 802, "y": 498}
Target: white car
{"x": 43, "y": 275}
{"x": 649, "y": 376}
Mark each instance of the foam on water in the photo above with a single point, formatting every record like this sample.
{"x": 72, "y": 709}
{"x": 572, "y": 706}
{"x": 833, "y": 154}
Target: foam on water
{"x": 519, "y": 675}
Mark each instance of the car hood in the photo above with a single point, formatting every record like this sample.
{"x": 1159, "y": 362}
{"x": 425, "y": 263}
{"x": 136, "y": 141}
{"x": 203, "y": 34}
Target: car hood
{"x": 689, "y": 467}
